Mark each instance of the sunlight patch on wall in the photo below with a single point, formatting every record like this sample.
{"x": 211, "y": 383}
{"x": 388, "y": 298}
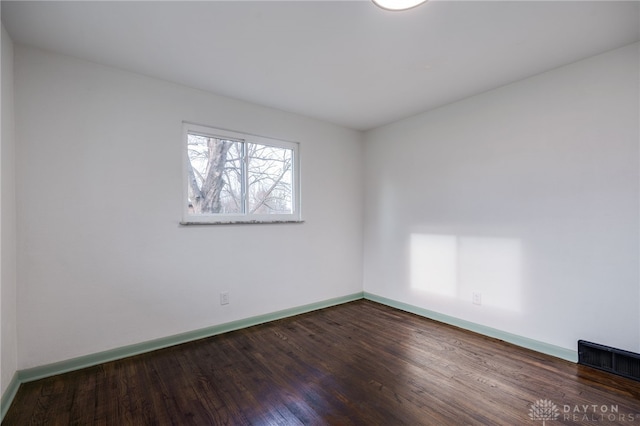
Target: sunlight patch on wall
{"x": 434, "y": 264}
{"x": 456, "y": 267}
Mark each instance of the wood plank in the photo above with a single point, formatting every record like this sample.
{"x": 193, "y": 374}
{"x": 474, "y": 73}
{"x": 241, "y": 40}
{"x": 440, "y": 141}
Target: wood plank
{"x": 359, "y": 363}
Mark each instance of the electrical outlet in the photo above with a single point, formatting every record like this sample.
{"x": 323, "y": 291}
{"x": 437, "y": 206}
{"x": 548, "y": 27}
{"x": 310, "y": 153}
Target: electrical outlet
{"x": 224, "y": 298}
{"x": 476, "y": 298}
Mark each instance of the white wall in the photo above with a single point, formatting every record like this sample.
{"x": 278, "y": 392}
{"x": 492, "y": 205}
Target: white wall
{"x": 102, "y": 260}
{"x": 8, "y": 345}
{"x": 528, "y": 194}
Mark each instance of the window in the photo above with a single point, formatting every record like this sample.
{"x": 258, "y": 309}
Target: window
{"x": 233, "y": 177}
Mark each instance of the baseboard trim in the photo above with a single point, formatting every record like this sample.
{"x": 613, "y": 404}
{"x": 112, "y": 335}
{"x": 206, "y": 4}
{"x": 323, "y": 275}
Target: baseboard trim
{"x": 36, "y": 373}
{"x": 545, "y": 348}
{"x": 41, "y": 372}
{"x": 73, "y": 364}
{"x": 8, "y": 395}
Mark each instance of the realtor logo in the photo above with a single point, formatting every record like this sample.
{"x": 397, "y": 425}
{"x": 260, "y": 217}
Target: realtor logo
{"x": 544, "y": 409}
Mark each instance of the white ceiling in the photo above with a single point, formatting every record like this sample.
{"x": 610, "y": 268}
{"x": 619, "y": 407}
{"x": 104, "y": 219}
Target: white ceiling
{"x": 345, "y": 62}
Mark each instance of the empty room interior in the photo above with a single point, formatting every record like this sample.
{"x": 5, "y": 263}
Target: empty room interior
{"x": 320, "y": 212}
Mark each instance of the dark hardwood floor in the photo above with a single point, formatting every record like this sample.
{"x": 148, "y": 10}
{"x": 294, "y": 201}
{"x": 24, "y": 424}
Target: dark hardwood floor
{"x": 360, "y": 363}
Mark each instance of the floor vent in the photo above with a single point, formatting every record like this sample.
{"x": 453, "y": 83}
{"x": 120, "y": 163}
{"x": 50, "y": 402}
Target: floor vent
{"x": 616, "y": 361}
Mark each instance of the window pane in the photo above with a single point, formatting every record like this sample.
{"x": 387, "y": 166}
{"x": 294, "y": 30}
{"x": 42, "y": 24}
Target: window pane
{"x": 270, "y": 177}
{"x": 215, "y": 175}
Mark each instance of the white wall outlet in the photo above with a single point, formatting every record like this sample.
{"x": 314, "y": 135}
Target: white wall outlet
{"x": 224, "y": 298}
{"x": 476, "y": 298}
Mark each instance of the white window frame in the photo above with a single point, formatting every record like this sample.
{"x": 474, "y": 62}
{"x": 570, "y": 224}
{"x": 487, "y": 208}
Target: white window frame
{"x": 189, "y": 218}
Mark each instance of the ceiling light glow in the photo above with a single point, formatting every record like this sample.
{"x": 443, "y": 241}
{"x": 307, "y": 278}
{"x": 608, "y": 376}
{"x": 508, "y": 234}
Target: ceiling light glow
{"x": 398, "y": 4}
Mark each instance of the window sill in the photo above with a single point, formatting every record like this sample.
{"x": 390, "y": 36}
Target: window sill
{"x": 241, "y": 222}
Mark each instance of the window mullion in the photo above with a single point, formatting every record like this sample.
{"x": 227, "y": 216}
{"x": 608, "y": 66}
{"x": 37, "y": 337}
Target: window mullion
{"x": 245, "y": 178}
